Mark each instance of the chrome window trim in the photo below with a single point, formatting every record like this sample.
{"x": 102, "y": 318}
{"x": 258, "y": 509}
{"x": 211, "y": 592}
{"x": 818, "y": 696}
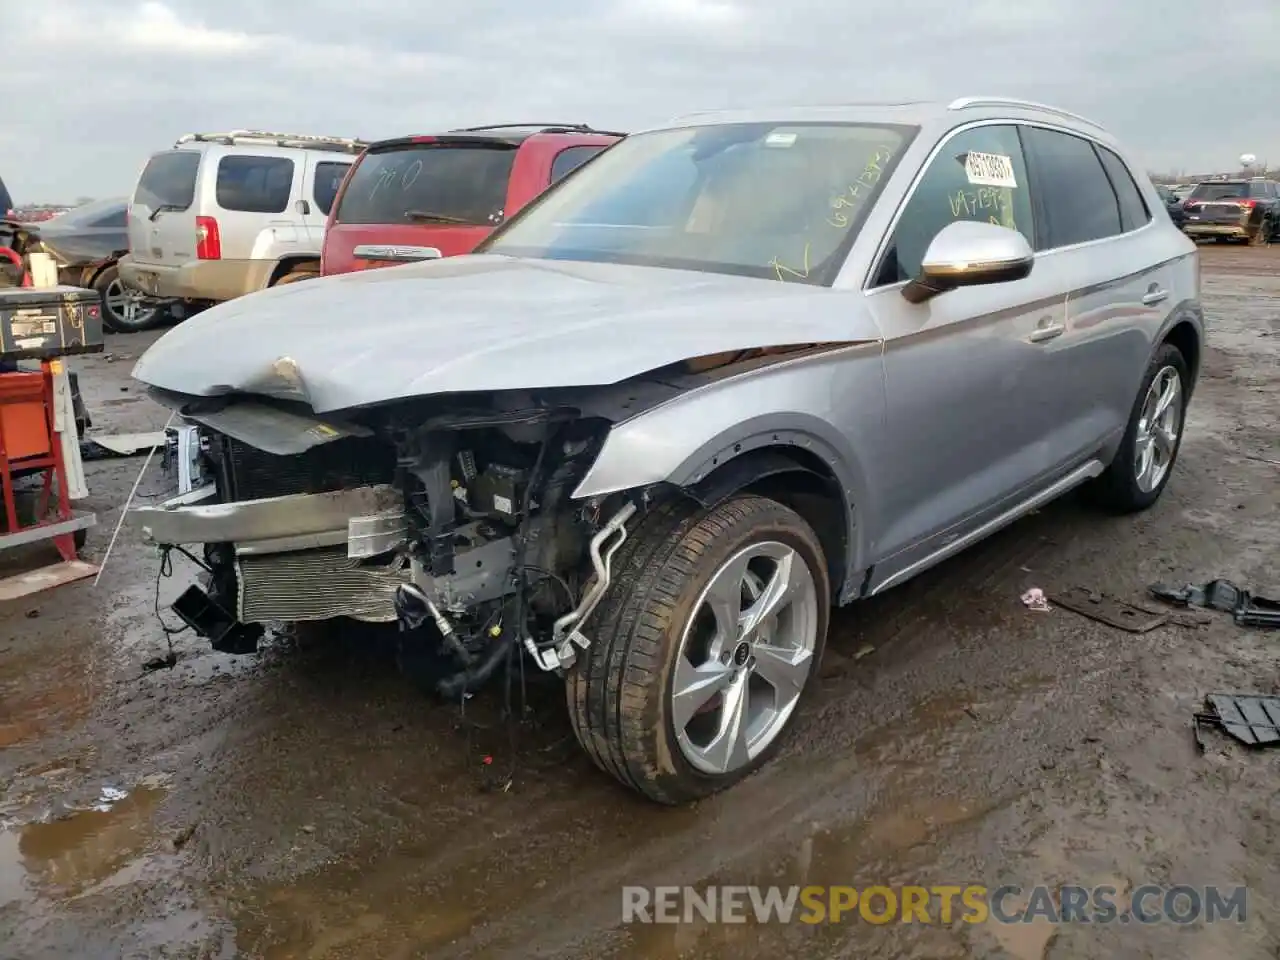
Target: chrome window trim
{"x": 868, "y": 282}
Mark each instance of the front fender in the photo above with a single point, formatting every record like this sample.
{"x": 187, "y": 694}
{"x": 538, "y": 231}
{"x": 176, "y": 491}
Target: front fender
{"x": 831, "y": 406}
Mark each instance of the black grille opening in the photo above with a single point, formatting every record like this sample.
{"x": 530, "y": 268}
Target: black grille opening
{"x": 251, "y": 474}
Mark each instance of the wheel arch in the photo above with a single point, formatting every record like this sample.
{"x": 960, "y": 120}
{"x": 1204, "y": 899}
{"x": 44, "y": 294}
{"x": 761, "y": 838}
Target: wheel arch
{"x": 800, "y": 479}
{"x": 1185, "y": 332}
{"x": 797, "y": 457}
{"x": 286, "y": 265}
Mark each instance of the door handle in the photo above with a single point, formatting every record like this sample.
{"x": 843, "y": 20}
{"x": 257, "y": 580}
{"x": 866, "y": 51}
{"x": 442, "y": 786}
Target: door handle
{"x": 1047, "y": 332}
{"x": 1154, "y": 297}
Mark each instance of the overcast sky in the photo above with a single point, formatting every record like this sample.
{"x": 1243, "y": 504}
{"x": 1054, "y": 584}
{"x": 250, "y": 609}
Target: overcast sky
{"x": 88, "y": 88}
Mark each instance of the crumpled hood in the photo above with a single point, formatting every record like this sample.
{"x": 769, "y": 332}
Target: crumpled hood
{"x": 482, "y": 323}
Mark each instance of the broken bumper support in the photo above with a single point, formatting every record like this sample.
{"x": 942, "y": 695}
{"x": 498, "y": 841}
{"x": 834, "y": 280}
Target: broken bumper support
{"x": 369, "y": 520}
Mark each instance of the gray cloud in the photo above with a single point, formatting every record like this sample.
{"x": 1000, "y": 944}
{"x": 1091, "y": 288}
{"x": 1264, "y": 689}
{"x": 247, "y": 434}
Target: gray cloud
{"x": 91, "y": 87}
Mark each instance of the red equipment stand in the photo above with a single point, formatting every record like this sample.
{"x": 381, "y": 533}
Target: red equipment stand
{"x": 31, "y": 443}
{"x": 23, "y": 391}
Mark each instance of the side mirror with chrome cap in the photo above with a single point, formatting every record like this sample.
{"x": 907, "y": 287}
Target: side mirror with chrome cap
{"x": 970, "y": 253}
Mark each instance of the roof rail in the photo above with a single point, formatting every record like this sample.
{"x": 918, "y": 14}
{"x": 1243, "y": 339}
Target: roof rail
{"x": 964, "y": 103}
{"x": 299, "y": 140}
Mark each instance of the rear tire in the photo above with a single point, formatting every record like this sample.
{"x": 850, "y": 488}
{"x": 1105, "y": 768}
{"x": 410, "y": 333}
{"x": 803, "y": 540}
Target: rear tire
{"x": 1262, "y": 236}
{"x": 297, "y": 274}
{"x": 652, "y": 630}
{"x": 116, "y": 316}
{"x": 1142, "y": 466}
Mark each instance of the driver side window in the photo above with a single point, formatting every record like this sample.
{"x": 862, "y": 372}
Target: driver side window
{"x": 979, "y": 174}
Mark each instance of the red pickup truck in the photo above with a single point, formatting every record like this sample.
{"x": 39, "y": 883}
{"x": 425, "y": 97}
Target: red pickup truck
{"x": 418, "y": 198}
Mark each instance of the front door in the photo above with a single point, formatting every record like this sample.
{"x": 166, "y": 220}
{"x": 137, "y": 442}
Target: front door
{"x": 966, "y": 413}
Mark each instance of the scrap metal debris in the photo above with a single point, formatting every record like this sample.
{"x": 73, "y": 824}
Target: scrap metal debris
{"x": 1253, "y": 720}
{"x": 1245, "y": 608}
{"x": 1109, "y": 610}
{"x": 1034, "y": 599}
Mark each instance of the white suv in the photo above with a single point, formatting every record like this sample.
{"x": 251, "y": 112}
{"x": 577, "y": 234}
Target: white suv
{"x": 224, "y": 214}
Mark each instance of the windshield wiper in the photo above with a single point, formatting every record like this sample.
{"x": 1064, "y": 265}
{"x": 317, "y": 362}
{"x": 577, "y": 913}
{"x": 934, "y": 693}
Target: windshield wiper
{"x": 435, "y": 217}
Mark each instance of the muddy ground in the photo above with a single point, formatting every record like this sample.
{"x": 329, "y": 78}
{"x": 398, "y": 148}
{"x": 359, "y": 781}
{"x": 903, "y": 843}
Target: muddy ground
{"x": 307, "y": 802}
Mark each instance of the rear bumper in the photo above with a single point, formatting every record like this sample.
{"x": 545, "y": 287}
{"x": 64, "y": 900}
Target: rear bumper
{"x": 215, "y": 280}
{"x": 367, "y": 520}
{"x": 1196, "y": 229}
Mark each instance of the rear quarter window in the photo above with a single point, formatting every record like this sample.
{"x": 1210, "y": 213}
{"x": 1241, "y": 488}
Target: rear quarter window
{"x": 168, "y": 180}
{"x": 249, "y": 184}
{"x": 570, "y": 159}
{"x": 328, "y": 178}
{"x": 425, "y": 183}
{"x": 1133, "y": 210}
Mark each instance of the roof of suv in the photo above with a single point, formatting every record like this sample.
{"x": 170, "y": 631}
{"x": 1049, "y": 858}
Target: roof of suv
{"x": 511, "y": 133}
{"x": 932, "y": 113}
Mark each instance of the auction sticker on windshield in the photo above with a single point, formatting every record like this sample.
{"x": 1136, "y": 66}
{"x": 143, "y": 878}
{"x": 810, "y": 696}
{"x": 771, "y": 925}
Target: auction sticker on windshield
{"x": 989, "y": 170}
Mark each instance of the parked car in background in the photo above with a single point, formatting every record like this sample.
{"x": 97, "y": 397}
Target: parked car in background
{"x": 87, "y": 243}
{"x": 224, "y": 214}
{"x": 1183, "y": 190}
{"x": 732, "y": 371}
{"x": 415, "y": 198}
{"x": 1247, "y": 210}
{"x": 1171, "y": 204}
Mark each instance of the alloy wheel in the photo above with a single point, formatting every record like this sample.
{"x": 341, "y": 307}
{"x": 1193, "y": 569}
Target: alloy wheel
{"x": 1158, "y": 429}
{"x": 745, "y": 657}
{"x": 125, "y": 306}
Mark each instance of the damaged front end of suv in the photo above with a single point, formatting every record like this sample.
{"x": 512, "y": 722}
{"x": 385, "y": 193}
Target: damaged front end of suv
{"x": 457, "y": 514}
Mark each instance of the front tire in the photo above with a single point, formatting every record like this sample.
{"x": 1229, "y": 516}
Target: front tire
{"x": 705, "y": 645}
{"x": 1143, "y": 464}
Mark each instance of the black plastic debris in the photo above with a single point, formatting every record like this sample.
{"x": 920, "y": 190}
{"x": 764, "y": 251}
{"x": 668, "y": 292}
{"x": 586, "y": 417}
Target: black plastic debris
{"x": 1253, "y": 720}
{"x": 1107, "y": 609}
{"x": 1246, "y": 609}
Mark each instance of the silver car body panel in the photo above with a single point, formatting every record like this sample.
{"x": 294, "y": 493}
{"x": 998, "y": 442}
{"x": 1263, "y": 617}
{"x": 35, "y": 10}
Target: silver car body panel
{"x": 942, "y": 421}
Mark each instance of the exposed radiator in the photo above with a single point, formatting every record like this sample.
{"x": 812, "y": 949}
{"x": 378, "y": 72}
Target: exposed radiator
{"x": 351, "y": 462}
{"x": 317, "y": 585}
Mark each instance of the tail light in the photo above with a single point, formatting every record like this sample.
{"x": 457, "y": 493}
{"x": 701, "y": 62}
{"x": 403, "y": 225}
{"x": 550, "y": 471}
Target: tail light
{"x": 208, "y": 239}
{"x": 1247, "y": 204}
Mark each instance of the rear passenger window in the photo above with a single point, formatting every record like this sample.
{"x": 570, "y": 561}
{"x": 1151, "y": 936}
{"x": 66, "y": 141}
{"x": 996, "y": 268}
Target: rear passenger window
{"x": 1076, "y": 195}
{"x": 1133, "y": 211}
{"x": 570, "y": 159}
{"x": 328, "y": 178}
{"x": 948, "y": 192}
{"x": 254, "y": 184}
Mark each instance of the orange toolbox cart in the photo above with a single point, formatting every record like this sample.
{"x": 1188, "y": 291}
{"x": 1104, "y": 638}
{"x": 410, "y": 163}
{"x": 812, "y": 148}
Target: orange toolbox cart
{"x": 40, "y": 467}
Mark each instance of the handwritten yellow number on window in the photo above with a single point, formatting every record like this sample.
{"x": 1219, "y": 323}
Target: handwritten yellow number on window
{"x": 784, "y": 271}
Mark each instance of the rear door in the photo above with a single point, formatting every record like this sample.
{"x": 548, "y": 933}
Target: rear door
{"x": 1099, "y": 244}
{"x": 255, "y": 195}
{"x": 408, "y": 198}
{"x": 162, "y": 221}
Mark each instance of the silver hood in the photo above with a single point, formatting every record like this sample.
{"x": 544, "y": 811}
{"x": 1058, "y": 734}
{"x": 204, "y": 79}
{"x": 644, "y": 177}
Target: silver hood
{"x": 483, "y": 323}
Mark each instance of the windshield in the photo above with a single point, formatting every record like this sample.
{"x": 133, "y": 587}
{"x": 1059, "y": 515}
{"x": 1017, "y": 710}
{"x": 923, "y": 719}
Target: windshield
{"x": 765, "y": 200}
{"x": 1220, "y": 191}
{"x": 429, "y": 183}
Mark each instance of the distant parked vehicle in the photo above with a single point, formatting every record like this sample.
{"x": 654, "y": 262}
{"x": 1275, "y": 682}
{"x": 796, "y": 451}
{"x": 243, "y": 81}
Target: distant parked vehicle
{"x": 1238, "y": 209}
{"x": 87, "y": 243}
{"x": 1172, "y": 204}
{"x": 418, "y": 198}
{"x": 224, "y": 214}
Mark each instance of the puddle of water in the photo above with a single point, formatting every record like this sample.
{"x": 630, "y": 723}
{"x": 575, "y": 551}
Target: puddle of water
{"x": 65, "y": 857}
